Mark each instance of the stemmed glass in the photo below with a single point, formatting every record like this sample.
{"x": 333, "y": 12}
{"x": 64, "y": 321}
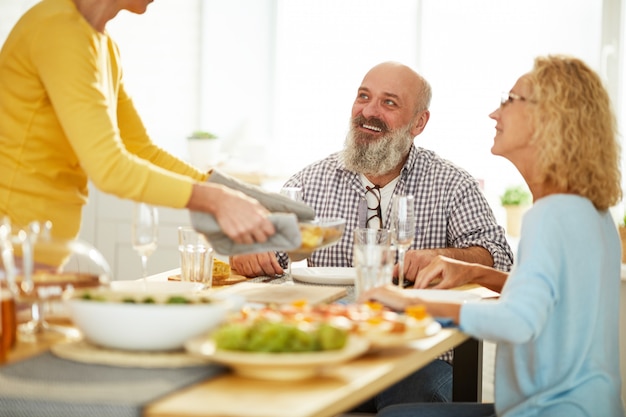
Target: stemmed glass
{"x": 295, "y": 194}
{"x": 145, "y": 233}
{"x": 403, "y": 225}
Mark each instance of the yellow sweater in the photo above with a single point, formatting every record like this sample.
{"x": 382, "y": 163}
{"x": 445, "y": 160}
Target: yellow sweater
{"x": 65, "y": 117}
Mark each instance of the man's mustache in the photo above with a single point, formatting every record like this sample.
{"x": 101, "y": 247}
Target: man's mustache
{"x": 374, "y": 122}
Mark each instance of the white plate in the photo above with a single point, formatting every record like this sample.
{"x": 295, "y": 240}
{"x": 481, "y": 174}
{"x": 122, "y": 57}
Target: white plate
{"x": 449, "y": 296}
{"x": 325, "y": 275}
{"x": 277, "y": 366}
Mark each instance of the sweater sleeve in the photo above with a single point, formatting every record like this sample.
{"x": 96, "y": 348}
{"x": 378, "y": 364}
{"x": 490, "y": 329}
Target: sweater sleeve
{"x": 529, "y": 295}
{"x": 87, "y": 81}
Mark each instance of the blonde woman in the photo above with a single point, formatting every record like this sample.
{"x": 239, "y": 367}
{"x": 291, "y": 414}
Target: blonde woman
{"x": 556, "y": 322}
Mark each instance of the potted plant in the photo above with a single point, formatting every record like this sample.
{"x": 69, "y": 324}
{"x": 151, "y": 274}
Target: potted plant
{"x": 204, "y": 148}
{"x": 515, "y": 200}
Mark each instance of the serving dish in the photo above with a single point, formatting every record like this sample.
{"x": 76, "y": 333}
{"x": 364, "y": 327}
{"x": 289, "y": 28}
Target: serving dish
{"x": 156, "y": 287}
{"x": 277, "y": 366}
{"x": 317, "y": 234}
{"x": 148, "y": 323}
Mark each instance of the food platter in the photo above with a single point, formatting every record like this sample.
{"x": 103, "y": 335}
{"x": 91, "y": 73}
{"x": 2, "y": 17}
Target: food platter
{"x": 379, "y": 340}
{"x": 277, "y": 366}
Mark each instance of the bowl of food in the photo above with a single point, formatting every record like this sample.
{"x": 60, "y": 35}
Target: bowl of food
{"x": 318, "y": 234}
{"x": 274, "y": 344}
{"x": 144, "y": 321}
{"x": 156, "y": 287}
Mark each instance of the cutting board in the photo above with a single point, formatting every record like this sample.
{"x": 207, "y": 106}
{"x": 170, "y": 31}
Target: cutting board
{"x": 284, "y": 294}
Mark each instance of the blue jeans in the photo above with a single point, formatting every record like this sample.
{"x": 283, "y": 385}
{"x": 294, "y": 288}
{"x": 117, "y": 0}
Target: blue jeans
{"x": 432, "y": 383}
{"x": 439, "y": 410}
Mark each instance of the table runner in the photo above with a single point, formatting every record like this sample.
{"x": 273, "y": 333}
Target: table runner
{"x": 48, "y": 386}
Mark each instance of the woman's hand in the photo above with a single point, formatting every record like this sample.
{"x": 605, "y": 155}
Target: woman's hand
{"x": 443, "y": 273}
{"x": 399, "y": 299}
{"x": 391, "y": 296}
{"x": 241, "y": 218}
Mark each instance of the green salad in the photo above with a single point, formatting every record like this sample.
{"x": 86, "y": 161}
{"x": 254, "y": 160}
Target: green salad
{"x": 277, "y": 336}
{"x": 143, "y": 299}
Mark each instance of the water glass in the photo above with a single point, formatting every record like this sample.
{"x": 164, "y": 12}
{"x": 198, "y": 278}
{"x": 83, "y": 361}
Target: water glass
{"x": 196, "y": 257}
{"x": 368, "y": 236}
{"x": 373, "y": 259}
{"x": 373, "y": 265}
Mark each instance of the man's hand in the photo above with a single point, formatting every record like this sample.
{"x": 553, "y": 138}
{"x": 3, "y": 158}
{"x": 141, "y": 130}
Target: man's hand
{"x": 256, "y": 264}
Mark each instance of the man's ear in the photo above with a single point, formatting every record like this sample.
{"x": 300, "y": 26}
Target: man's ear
{"x": 420, "y": 122}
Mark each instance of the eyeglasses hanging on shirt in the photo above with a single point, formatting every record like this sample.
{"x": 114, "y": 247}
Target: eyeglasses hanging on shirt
{"x": 374, "y": 210}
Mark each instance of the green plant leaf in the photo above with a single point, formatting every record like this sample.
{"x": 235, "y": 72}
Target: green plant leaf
{"x": 201, "y": 134}
{"x": 515, "y": 196}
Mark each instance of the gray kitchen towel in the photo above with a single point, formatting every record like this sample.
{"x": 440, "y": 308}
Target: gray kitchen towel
{"x": 48, "y": 386}
{"x": 285, "y": 214}
{"x": 274, "y": 202}
{"x": 287, "y": 234}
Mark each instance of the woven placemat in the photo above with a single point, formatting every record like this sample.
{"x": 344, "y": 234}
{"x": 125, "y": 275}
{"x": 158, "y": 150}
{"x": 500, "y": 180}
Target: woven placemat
{"x": 85, "y": 352}
{"x": 49, "y": 386}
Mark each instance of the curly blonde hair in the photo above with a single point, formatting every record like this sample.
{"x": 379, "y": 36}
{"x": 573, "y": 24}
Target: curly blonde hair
{"x": 575, "y": 130}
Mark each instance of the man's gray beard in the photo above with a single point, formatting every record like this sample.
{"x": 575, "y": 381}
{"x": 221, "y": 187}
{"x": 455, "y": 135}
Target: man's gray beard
{"x": 376, "y": 157}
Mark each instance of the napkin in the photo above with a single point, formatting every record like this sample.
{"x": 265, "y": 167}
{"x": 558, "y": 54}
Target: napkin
{"x": 287, "y": 234}
{"x": 285, "y": 214}
{"x": 274, "y": 202}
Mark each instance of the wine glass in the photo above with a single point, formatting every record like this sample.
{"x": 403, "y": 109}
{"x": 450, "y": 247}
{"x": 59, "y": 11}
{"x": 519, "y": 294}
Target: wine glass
{"x": 145, "y": 233}
{"x": 403, "y": 224}
{"x": 295, "y": 194}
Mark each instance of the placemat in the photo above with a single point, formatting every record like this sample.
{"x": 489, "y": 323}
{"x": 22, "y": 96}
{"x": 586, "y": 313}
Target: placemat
{"x": 48, "y": 386}
{"x": 83, "y": 351}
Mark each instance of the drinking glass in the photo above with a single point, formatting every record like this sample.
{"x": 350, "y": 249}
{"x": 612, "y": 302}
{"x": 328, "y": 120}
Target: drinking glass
{"x": 145, "y": 232}
{"x": 403, "y": 224}
{"x": 373, "y": 258}
{"x": 196, "y": 257}
{"x": 295, "y": 194}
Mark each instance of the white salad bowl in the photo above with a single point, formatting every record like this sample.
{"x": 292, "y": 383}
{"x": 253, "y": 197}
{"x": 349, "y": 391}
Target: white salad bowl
{"x": 109, "y": 320}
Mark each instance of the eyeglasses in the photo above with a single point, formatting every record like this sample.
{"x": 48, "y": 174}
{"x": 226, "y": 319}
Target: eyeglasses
{"x": 375, "y": 190}
{"x": 509, "y": 97}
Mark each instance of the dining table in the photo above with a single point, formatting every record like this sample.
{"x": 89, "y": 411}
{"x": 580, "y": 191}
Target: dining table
{"x": 212, "y": 390}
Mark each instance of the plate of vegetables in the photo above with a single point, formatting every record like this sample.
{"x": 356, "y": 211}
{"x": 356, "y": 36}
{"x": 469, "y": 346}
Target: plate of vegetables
{"x": 265, "y": 344}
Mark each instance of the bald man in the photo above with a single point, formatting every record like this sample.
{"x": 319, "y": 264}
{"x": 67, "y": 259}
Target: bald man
{"x": 380, "y": 160}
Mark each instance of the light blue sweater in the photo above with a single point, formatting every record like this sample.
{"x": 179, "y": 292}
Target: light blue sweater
{"x": 556, "y": 322}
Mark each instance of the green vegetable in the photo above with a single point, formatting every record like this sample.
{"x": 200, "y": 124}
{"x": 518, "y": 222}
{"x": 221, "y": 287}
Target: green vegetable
{"x": 276, "y": 337}
{"x": 178, "y": 299}
{"x": 141, "y": 299}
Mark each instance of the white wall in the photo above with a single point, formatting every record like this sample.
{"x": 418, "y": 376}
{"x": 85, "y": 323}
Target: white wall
{"x": 275, "y": 76}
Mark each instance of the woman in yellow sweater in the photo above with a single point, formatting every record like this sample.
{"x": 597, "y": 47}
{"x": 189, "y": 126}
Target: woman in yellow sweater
{"x": 65, "y": 118}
